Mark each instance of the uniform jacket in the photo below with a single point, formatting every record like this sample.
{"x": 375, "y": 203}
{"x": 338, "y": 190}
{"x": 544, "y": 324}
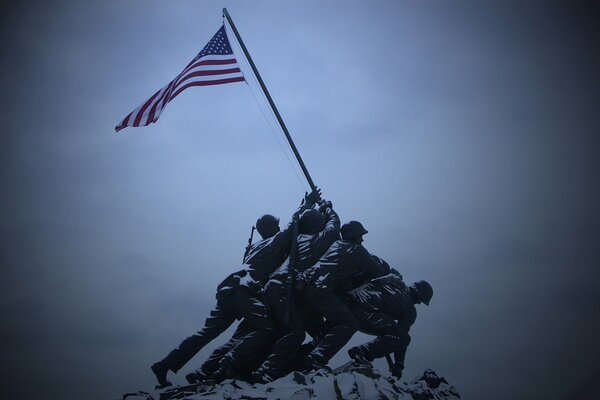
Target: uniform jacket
{"x": 340, "y": 263}
{"x": 262, "y": 258}
{"x": 389, "y": 295}
{"x": 312, "y": 247}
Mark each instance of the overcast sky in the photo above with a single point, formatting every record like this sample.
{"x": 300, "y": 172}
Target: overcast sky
{"x": 463, "y": 135}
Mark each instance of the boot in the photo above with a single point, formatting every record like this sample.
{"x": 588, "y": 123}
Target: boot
{"x": 261, "y": 376}
{"x": 160, "y": 371}
{"x": 359, "y": 355}
{"x": 313, "y": 363}
{"x": 195, "y": 377}
{"x": 227, "y": 366}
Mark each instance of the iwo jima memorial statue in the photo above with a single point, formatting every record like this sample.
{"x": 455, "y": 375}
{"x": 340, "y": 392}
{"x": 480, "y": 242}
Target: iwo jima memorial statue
{"x": 314, "y": 277}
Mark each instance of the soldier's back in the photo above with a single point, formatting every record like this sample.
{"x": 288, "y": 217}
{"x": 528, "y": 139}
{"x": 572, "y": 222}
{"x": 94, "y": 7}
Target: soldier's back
{"x": 338, "y": 263}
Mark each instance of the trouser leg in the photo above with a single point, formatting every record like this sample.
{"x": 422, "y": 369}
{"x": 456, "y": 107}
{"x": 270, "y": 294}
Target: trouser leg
{"x": 218, "y": 321}
{"x": 212, "y": 363}
{"x": 260, "y": 326}
{"x": 341, "y": 322}
{"x": 391, "y": 337}
{"x": 292, "y": 334}
{"x": 314, "y": 324}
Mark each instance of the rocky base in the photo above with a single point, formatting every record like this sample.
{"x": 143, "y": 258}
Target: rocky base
{"x": 349, "y": 382}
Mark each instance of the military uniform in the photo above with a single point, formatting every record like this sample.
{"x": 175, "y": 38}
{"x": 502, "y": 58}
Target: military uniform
{"x": 325, "y": 280}
{"x": 212, "y": 363}
{"x": 384, "y": 308}
{"x": 238, "y": 298}
{"x": 309, "y": 250}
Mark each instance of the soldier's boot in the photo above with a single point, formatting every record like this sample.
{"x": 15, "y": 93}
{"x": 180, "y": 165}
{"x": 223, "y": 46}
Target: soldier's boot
{"x": 359, "y": 355}
{"x": 195, "y": 377}
{"x": 397, "y": 370}
{"x": 313, "y": 363}
{"x": 262, "y": 375}
{"x": 227, "y": 366}
{"x": 160, "y": 371}
{"x": 219, "y": 376}
{"x": 226, "y": 370}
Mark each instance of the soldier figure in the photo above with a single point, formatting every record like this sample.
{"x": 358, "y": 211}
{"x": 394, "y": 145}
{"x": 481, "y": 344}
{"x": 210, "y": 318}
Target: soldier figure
{"x": 325, "y": 282}
{"x": 385, "y": 307}
{"x": 237, "y": 298}
{"x": 318, "y": 229}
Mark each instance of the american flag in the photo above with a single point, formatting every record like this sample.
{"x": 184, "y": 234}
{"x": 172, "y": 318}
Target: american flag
{"x": 214, "y": 65}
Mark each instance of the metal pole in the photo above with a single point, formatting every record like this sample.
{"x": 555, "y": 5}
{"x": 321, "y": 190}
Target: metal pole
{"x": 264, "y": 88}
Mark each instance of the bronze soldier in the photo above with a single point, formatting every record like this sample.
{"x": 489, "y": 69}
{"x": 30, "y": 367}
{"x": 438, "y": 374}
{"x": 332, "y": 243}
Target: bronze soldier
{"x": 318, "y": 229}
{"x": 385, "y": 307}
{"x": 345, "y": 259}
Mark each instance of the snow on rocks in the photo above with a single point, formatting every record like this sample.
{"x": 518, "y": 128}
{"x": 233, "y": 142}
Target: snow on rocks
{"x": 351, "y": 381}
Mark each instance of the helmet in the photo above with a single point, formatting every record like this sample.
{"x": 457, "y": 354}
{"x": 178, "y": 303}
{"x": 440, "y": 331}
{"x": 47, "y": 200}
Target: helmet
{"x": 311, "y": 222}
{"x": 353, "y": 229}
{"x": 267, "y": 225}
{"x": 425, "y": 291}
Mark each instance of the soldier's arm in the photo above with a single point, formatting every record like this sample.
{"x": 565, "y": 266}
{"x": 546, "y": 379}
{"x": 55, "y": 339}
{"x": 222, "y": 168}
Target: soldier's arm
{"x": 332, "y": 226}
{"x": 372, "y": 266}
{"x": 307, "y": 202}
{"x": 331, "y": 232}
{"x": 383, "y": 264}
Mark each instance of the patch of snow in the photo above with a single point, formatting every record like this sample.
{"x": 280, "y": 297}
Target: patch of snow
{"x": 351, "y": 381}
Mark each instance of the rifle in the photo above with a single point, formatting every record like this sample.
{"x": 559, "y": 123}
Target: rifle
{"x": 290, "y": 281}
{"x": 249, "y": 243}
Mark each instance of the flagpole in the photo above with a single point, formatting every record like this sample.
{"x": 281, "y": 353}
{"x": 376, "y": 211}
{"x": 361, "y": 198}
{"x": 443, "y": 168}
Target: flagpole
{"x": 271, "y": 103}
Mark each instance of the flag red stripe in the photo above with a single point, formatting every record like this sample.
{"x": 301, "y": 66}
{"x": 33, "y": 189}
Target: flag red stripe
{"x": 138, "y": 118}
{"x": 206, "y": 83}
{"x": 210, "y": 62}
{"x": 162, "y": 98}
{"x": 123, "y": 123}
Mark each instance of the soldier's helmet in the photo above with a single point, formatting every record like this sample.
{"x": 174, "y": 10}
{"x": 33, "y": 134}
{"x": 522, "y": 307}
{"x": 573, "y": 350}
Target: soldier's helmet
{"x": 267, "y": 225}
{"x": 353, "y": 229}
{"x": 311, "y": 222}
{"x": 425, "y": 291}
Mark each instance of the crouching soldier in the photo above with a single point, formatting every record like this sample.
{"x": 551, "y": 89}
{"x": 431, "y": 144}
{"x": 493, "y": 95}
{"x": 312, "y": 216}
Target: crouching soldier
{"x": 385, "y": 307}
{"x": 237, "y": 298}
{"x": 325, "y": 281}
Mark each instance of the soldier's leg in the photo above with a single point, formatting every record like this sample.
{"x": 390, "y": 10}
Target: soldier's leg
{"x": 291, "y": 337}
{"x": 391, "y": 337}
{"x": 342, "y": 324}
{"x": 218, "y": 321}
{"x": 261, "y": 327}
{"x": 314, "y": 323}
{"x": 212, "y": 363}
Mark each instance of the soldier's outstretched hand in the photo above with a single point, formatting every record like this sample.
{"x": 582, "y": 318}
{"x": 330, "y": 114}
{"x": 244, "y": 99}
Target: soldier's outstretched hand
{"x": 312, "y": 198}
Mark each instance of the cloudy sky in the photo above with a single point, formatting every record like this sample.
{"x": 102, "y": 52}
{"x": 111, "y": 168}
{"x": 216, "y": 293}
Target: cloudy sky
{"x": 463, "y": 135}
